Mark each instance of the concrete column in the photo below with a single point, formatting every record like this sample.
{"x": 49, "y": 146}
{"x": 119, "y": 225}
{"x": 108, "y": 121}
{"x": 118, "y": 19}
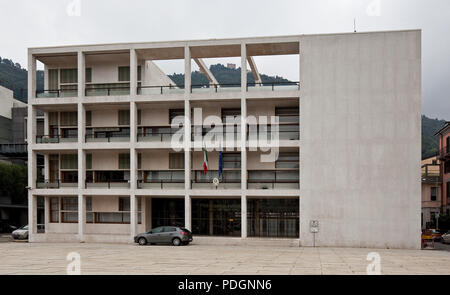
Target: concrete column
{"x": 31, "y": 78}
{"x": 46, "y": 166}
{"x": 32, "y": 216}
{"x": 133, "y": 73}
{"x": 81, "y": 118}
{"x": 81, "y": 217}
{"x": 187, "y": 212}
{"x": 81, "y": 74}
{"x": 243, "y": 216}
{"x": 133, "y": 170}
{"x": 133, "y": 153}
{"x": 187, "y": 120}
{"x": 46, "y": 123}
{"x": 243, "y": 140}
{"x": 46, "y": 211}
{"x": 133, "y": 216}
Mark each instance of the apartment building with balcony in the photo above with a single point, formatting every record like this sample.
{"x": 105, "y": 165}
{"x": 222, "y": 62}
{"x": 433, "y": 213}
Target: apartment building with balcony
{"x": 113, "y": 168}
{"x": 444, "y": 159}
{"x": 431, "y": 192}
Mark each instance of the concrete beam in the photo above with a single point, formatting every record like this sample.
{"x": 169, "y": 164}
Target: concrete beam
{"x": 205, "y": 70}
{"x": 255, "y": 72}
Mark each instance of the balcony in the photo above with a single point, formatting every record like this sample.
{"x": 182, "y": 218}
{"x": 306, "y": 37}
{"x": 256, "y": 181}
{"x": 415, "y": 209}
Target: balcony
{"x": 55, "y": 93}
{"x": 155, "y": 90}
{"x": 431, "y": 173}
{"x": 218, "y": 133}
{"x": 273, "y": 86}
{"x": 273, "y": 179}
{"x": 113, "y": 89}
{"x": 55, "y": 184}
{"x": 162, "y": 179}
{"x": 108, "y": 134}
{"x": 119, "y": 183}
{"x": 157, "y": 134}
{"x": 56, "y": 138}
{"x": 269, "y": 132}
{"x": 230, "y": 179}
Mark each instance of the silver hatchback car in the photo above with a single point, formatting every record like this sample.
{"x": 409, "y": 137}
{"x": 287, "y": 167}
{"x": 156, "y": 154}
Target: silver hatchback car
{"x": 165, "y": 235}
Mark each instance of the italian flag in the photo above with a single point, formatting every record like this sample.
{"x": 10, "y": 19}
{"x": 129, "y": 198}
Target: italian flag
{"x": 205, "y": 161}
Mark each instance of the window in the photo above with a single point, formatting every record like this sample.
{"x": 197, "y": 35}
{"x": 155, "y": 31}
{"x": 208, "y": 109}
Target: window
{"x": 124, "y": 161}
{"x": 447, "y": 166}
{"x": 88, "y": 118}
{"x": 53, "y": 79}
{"x": 139, "y": 117}
{"x": 69, "y": 209}
{"x": 287, "y": 160}
{"x": 139, "y": 161}
{"x": 124, "y": 204}
{"x": 124, "y": 74}
{"x": 53, "y": 118}
{"x": 124, "y": 117}
{"x": 434, "y": 192}
{"x": 54, "y": 209}
{"x": 231, "y": 116}
{"x": 175, "y": 113}
{"x": 168, "y": 229}
{"x": 176, "y": 160}
{"x": 69, "y": 75}
{"x": 68, "y": 118}
{"x": 287, "y": 114}
{"x": 88, "y": 204}
{"x": 88, "y": 161}
{"x": 69, "y": 161}
{"x": 88, "y": 75}
{"x": 447, "y": 142}
{"x": 231, "y": 160}
{"x": 448, "y": 189}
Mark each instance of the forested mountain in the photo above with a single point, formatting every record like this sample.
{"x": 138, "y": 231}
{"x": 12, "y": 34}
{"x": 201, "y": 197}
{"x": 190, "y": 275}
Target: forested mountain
{"x": 14, "y": 77}
{"x": 430, "y": 142}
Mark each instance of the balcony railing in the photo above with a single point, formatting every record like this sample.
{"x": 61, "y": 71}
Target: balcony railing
{"x": 431, "y": 173}
{"x": 157, "y": 134}
{"x": 54, "y": 184}
{"x": 162, "y": 179}
{"x": 107, "y": 89}
{"x": 56, "y": 138}
{"x": 284, "y": 132}
{"x": 273, "y": 86}
{"x": 52, "y": 93}
{"x": 119, "y": 183}
{"x": 230, "y": 87}
{"x": 273, "y": 179}
{"x": 108, "y": 136}
{"x": 170, "y": 89}
{"x": 199, "y": 132}
{"x": 230, "y": 179}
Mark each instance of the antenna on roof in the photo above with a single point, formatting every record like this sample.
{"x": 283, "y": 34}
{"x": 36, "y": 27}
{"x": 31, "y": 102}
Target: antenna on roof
{"x": 354, "y": 25}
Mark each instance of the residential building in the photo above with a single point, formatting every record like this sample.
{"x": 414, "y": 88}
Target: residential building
{"x": 431, "y": 192}
{"x": 444, "y": 157}
{"x": 344, "y": 172}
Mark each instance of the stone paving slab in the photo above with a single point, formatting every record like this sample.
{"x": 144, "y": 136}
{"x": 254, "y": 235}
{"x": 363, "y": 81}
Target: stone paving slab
{"x": 50, "y": 258}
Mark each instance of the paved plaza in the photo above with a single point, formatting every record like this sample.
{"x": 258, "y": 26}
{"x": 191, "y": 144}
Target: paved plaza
{"x": 46, "y": 258}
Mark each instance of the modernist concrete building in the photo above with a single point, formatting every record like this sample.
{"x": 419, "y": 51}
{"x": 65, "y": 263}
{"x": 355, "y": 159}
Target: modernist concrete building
{"x": 347, "y": 172}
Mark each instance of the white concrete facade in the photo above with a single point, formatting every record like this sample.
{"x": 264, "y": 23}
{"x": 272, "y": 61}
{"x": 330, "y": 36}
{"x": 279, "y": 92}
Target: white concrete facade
{"x": 359, "y": 147}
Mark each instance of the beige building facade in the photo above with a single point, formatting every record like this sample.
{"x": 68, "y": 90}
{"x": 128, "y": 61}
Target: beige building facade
{"x": 113, "y": 168}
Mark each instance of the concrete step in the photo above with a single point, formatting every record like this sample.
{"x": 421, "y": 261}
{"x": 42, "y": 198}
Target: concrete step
{"x": 234, "y": 241}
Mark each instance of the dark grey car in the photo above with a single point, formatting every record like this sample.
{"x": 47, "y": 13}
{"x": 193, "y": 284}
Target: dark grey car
{"x": 165, "y": 235}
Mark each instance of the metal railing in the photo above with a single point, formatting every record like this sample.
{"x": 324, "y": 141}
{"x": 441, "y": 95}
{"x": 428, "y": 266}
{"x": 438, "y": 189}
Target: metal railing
{"x": 155, "y": 134}
{"x": 167, "y": 89}
{"x": 52, "y": 93}
{"x": 13, "y": 148}
{"x": 253, "y": 131}
{"x": 161, "y": 183}
{"x": 54, "y": 184}
{"x": 55, "y": 138}
{"x": 226, "y": 87}
{"x": 107, "y": 91}
{"x": 274, "y": 180}
{"x": 273, "y": 86}
{"x": 107, "y": 136}
{"x": 117, "y": 183}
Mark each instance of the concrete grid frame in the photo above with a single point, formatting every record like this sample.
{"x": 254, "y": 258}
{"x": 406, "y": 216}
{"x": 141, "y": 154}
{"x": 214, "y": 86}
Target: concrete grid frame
{"x": 359, "y": 149}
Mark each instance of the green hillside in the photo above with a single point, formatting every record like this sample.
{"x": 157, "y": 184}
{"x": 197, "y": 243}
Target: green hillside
{"x": 14, "y": 77}
{"x": 430, "y": 142}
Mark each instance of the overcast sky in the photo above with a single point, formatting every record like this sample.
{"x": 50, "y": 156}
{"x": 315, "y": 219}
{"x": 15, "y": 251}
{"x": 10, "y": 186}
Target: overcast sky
{"x": 33, "y": 23}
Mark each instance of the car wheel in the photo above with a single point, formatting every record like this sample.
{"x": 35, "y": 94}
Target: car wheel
{"x": 142, "y": 241}
{"x": 176, "y": 242}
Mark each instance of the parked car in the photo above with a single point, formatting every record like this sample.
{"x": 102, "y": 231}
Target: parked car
{"x": 5, "y": 227}
{"x": 437, "y": 236}
{"x": 165, "y": 235}
{"x": 446, "y": 237}
{"x": 22, "y": 233}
